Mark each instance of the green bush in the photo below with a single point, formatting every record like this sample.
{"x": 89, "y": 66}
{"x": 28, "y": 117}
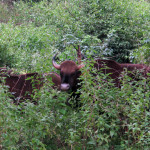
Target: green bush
{"x": 119, "y": 24}
{"x": 31, "y": 47}
{"x": 110, "y": 118}
{"x": 6, "y": 59}
{"x": 142, "y": 54}
{"x": 102, "y": 28}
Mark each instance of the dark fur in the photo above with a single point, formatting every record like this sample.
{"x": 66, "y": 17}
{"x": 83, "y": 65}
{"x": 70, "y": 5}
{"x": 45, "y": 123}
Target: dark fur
{"x": 70, "y": 73}
{"x": 24, "y": 86}
{"x": 133, "y": 67}
{"x": 116, "y": 69}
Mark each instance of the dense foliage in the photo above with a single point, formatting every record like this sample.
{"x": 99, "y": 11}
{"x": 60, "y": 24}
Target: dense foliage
{"x": 32, "y": 31}
{"x": 117, "y": 29}
{"x": 110, "y": 118}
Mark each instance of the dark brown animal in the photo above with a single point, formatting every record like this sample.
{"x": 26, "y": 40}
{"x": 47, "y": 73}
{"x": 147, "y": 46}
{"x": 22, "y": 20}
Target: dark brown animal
{"x": 25, "y": 85}
{"x": 109, "y": 67}
{"x": 134, "y": 67}
{"x": 70, "y": 72}
{"x": 116, "y": 69}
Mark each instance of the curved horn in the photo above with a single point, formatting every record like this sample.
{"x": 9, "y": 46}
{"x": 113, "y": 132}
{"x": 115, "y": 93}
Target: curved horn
{"x": 54, "y": 63}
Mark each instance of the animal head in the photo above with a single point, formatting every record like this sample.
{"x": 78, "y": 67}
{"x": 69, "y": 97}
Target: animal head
{"x": 69, "y": 73}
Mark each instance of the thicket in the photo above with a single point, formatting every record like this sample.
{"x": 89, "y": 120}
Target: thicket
{"x": 115, "y": 29}
{"x": 121, "y": 25}
{"x": 110, "y": 118}
{"x": 32, "y": 32}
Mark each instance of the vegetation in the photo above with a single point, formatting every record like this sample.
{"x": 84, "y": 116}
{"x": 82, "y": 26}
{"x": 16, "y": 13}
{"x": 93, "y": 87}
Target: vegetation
{"x": 32, "y": 31}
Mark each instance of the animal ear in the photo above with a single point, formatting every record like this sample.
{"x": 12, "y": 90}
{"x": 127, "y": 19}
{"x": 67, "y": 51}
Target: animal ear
{"x": 81, "y": 66}
{"x": 54, "y": 63}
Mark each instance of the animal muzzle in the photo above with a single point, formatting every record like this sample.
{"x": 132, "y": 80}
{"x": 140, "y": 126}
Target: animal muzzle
{"x": 64, "y": 87}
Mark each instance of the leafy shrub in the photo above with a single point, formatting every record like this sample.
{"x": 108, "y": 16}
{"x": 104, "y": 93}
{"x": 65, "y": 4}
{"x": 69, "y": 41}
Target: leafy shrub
{"x": 113, "y": 116}
{"x": 101, "y": 27}
{"x": 28, "y": 46}
{"x": 30, "y": 126}
{"x": 4, "y": 11}
{"x": 6, "y": 58}
{"x": 142, "y": 54}
{"x": 110, "y": 118}
{"x": 120, "y": 25}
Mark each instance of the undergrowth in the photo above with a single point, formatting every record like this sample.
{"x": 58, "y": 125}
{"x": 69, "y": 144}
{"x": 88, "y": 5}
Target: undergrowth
{"x": 32, "y": 31}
